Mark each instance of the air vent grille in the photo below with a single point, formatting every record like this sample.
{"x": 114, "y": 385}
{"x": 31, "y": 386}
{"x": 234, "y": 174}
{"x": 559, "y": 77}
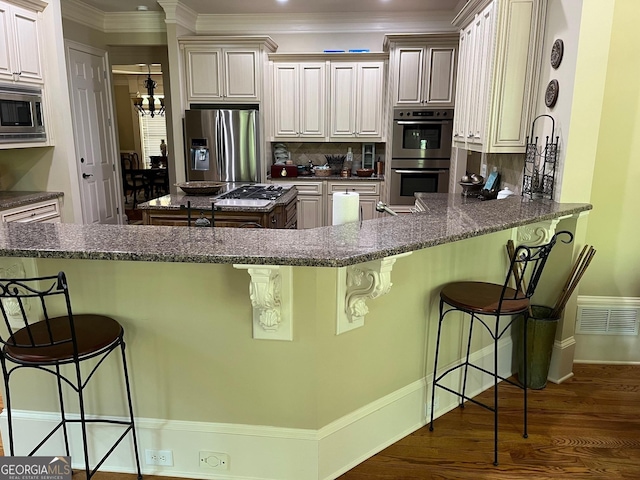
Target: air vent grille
{"x": 607, "y": 321}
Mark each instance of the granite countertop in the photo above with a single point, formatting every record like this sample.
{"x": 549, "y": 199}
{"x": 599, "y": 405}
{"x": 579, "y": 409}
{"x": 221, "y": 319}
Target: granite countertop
{"x": 175, "y": 201}
{"x": 448, "y": 218}
{"x": 331, "y": 178}
{"x": 18, "y": 199}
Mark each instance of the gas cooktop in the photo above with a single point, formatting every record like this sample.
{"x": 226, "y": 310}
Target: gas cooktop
{"x": 255, "y": 192}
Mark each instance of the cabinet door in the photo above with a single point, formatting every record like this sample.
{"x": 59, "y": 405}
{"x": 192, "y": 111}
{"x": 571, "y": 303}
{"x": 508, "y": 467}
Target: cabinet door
{"x": 310, "y": 211}
{"x": 6, "y": 43}
{"x": 203, "y": 72}
{"x": 440, "y": 76}
{"x": 241, "y": 74}
{"x": 368, "y": 207}
{"x": 286, "y": 100}
{"x": 369, "y": 99}
{"x": 460, "y": 115}
{"x": 483, "y": 39}
{"x": 409, "y": 69}
{"x": 27, "y": 46}
{"x": 343, "y": 99}
{"x": 313, "y": 87}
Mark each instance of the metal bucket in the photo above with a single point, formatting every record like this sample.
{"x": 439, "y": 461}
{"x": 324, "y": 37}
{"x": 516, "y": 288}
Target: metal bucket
{"x": 541, "y": 334}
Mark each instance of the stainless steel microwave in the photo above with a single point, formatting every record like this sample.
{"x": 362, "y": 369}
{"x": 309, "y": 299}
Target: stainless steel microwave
{"x": 21, "y": 118}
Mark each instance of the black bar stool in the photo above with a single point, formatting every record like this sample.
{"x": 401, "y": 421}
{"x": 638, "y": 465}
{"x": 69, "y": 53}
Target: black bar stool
{"x": 54, "y": 341}
{"x": 482, "y": 300}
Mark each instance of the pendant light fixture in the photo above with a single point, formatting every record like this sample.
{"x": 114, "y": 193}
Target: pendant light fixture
{"x": 150, "y": 85}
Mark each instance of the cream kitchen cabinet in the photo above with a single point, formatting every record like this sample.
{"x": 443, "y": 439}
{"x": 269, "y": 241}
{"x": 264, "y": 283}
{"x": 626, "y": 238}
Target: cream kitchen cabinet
{"x": 19, "y": 43}
{"x": 299, "y": 100}
{"x": 310, "y": 203}
{"x": 497, "y": 73}
{"x": 423, "y": 69}
{"x": 47, "y": 211}
{"x": 369, "y": 193}
{"x": 356, "y": 100}
{"x": 224, "y": 69}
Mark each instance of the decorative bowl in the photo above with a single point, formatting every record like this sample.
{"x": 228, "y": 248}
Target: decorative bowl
{"x": 364, "y": 172}
{"x": 200, "y": 188}
{"x": 322, "y": 172}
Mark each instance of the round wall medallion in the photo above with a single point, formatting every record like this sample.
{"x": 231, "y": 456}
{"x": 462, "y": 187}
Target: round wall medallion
{"x": 551, "y": 95}
{"x": 556, "y": 53}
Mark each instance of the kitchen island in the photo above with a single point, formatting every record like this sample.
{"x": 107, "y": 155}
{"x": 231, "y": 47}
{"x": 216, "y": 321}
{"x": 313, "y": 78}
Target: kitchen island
{"x": 298, "y": 353}
{"x": 172, "y": 210}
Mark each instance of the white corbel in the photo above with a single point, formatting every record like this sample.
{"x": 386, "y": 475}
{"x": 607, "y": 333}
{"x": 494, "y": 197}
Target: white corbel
{"x": 358, "y": 283}
{"x": 270, "y": 292}
{"x": 538, "y": 233}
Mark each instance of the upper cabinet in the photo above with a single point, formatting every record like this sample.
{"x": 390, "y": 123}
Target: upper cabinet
{"x": 224, "y": 69}
{"x": 423, "y": 69}
{"x": 19, "y": 43}
{"x": 330, "y": 97}
{"x": 356, "y": 99}
{"x": 498, "y": 72}
{"x": 299, "y": 100}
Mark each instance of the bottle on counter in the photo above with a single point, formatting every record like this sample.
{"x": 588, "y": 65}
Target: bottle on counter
{"x": 348, "y": 161}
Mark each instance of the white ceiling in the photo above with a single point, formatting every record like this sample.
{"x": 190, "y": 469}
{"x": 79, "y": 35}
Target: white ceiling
{"x": 291, "y": 6}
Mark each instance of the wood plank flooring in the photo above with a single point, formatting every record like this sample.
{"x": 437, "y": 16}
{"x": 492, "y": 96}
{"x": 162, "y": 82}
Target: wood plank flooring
{"x": 586, "y": 428}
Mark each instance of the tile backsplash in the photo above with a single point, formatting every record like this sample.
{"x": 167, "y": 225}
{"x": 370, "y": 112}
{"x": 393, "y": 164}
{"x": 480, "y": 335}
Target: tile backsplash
{"x": 302, "y": 153}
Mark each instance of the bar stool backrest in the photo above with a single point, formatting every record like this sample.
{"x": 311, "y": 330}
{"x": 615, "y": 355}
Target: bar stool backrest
{"x": 526, "y": 267}
{"x": 51, "y": 295}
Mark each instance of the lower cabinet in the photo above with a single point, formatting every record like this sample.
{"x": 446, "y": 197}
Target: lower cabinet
{"x": 47, "y": 211}
{"x": 315, "y": 199}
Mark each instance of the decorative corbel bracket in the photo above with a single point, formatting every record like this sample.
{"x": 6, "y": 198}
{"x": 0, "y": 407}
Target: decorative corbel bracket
{"x": 538, "y": 233}
{"x": 358, "y": 283}
{"x": 271, "y": 292}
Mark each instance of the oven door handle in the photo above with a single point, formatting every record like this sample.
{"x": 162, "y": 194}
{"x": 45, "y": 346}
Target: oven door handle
{"x": 421, "y": 122}
{"x": 420, "y": 170}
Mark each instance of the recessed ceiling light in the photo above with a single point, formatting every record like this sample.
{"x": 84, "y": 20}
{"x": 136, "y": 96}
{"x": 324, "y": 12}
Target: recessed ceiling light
{"x": 282, "y": 1}
{"x": 142, "y": 8}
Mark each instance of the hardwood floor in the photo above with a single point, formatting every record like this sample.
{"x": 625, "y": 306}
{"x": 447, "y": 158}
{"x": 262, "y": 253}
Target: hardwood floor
{"x": 586, "y": 428}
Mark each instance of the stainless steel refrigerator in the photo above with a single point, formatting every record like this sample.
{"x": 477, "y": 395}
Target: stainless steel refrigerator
{"x": 222, "y": 145}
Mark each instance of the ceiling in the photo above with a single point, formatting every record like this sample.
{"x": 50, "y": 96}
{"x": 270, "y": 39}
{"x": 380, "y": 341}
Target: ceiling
{"x": 288, "y": 7}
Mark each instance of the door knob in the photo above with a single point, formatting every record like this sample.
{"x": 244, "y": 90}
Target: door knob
{"x": 87, "y": 175}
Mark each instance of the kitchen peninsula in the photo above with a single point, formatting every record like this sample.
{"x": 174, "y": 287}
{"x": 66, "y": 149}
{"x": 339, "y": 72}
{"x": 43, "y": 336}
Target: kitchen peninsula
{"x": 332, "y": 309}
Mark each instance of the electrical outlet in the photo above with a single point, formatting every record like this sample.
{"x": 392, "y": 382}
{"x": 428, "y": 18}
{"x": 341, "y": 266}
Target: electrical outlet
{"x": 483, "y": 170}
{"x": 158, "y": 457}
{"x": 219, "y": 461}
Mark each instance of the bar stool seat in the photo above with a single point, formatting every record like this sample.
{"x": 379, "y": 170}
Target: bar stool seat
{"x": 47, "y": 343}
{"x": 505, "y": 303}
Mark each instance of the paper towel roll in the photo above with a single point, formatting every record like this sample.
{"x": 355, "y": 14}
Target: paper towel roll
{"x": 346, "y": 207}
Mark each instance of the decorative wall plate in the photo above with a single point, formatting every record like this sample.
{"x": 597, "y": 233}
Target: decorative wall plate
{"x": 556, "y": 53}
{"x": 551, "y": 95}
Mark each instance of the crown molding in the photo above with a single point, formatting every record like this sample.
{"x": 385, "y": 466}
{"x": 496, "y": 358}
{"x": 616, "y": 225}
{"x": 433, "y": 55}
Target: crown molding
{"x": 134, "y": 22}
{"x": 325, "y": 23}
{"x": 178, "y": 13}
{"x": 83, "y": 14}
{"x": 35, "y": 5}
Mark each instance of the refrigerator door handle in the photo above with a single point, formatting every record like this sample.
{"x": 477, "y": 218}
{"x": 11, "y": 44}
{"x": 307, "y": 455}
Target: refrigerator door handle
{"x": 220, "y": 143}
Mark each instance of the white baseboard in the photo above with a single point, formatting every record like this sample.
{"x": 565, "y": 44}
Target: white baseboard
{"x": 267, "y": 453}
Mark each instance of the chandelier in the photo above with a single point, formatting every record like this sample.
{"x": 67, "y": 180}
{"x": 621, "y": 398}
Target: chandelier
{"x": 150, "y": 85}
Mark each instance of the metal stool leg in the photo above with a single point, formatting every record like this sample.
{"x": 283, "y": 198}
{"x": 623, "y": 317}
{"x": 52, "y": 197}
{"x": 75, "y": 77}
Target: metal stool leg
{"x": 495, "y": 393}
{"x": 62, "y": 411}
{"x": 133, "y": 429}
{"x": 524, "y": 339}
{"x": 83, "y": 422}
{"x": 466, "y": 364}
{"x": 7, "y": 405}
{"x": 435, "y": 365}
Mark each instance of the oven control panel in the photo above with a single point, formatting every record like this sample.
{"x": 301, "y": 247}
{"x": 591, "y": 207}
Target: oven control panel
{"x": 407, "y": 113}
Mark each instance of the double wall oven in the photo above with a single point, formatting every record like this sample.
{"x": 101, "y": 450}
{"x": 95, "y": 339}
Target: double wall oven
{"x": 421, "y": 153}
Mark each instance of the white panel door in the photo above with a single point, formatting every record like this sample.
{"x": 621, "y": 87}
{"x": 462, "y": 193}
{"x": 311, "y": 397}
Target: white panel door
{"x": 285, "y": 103}
{"x": 312, "y": 94}
{"x": 343, "y": 99}
{"x": 409, "y": 78}
{"x": 94, "y": 136}
{"x": 241, "y": 74}
{"x": 203, "y": 72}
{"x": 6, "y": 43}
{"x": 27, "y": 46}
{"x": 369, "y": 99}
